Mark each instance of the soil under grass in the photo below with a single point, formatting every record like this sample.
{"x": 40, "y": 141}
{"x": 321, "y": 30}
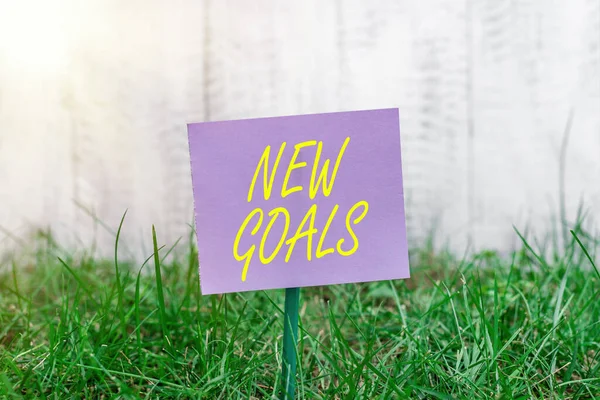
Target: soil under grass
{"x": 487, "y": 327}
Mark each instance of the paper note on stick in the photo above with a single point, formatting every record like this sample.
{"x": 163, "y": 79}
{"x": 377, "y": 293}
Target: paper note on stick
{"x": 299, "y": 201}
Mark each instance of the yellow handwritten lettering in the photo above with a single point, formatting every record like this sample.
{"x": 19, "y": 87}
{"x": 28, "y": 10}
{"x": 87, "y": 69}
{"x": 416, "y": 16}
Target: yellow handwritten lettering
{"x": 294, "y": 165}
{"x": 365, "y": 206}
{"x": 264, "y": 163}
{"x": 327, "y": 187}
{"x": 291, "y": 242}
{"x": 247, "y": 256}
{"x": 274, "y": 214}
{"x": 320, "y": 253}
{"x": 321, "y": 176}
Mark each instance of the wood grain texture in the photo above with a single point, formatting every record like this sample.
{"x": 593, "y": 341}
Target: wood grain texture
{"x": 97, "y": 120}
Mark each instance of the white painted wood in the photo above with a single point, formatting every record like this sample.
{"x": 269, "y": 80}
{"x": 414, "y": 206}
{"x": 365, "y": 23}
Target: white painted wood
{"x": 95, "y": 96}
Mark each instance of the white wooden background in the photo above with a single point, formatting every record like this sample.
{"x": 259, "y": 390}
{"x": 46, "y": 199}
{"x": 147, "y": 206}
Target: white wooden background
{"x": 95, "y": 97}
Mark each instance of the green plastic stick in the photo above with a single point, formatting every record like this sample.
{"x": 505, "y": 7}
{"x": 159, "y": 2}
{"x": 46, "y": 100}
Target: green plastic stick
{"x": 290, "y": 338}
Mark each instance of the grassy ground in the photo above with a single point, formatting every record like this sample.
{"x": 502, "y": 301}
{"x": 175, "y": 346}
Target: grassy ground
{"x": 525, "y": 327}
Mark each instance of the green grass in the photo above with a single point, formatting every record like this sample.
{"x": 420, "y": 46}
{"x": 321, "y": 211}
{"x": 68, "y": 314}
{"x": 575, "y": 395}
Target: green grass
{"x": 527, "y": 326}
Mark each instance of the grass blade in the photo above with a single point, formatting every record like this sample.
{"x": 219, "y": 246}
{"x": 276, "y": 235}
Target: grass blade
{"x": 160, "y": 293}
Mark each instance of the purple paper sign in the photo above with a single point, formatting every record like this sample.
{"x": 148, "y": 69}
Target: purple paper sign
{"x": 297, "y": 201}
